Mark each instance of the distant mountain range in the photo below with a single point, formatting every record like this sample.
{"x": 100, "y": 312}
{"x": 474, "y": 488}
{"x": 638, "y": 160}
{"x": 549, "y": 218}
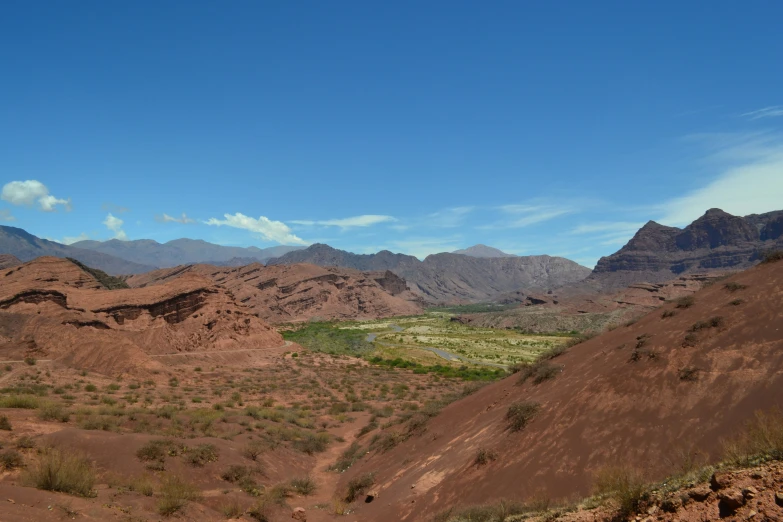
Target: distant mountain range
{"x": 449, "y": 277}
{"x": 25, "y": 247}
{"x": 482, "y": 251}
{"x": 715, "y": 241}
{"x": 183, "y": 252}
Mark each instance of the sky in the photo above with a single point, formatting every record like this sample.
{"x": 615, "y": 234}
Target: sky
{"x": 419, "y": 127}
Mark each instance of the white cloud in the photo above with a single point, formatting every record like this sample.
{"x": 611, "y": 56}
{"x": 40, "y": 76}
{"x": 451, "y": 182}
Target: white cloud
{"x": 356, "y": 221}
{"x": 423, "y": 246}
{"x": 5, "y": 215}
{"x": 266, "y": 228}
{"x": 767, "y": 112}
{"x": 115, "y": 225}
{"x": 29, "y": 192}
{"x": 748, "y": 179}
{"x": 165, "y": 218}
{"x": 69, "y": 240}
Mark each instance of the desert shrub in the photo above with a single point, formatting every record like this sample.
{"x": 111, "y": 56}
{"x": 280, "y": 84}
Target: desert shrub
{"x": 90, "y": 388}
{"x": 520, "y": 413}
{"x": 690, "y": 340}
{"x": 231, "y": 509}
{"x": 484, "y": 456}
{"x": 338, "y": 407}
{"x": 5, "y": 424}
{"x": 668, "y": 313}
{"x": 201, "y": 454}
{"x": 761, "y": 439}
{"x": 497, "y": 512}
{"x": 312, "y": 443}
{"x": 234, "y": 473}
{"x": 643, "y": 353}
{"x": 733, "y": 287}
{"x": 11, "y": 459}
{"x": 25, "y": 442}
{"x": 347, "y": 458}
{"x": 357, "y": 486}
{"x": 110, "y": 282}
{"x": 143, "y": 484}
{"x": 27, "y": 402}
{"x": 737, "y": 302}
{"x": 713, "y": 322}
{"x": 254, "y": 449}
{"x": 563, "y": 348}
{"x": 689, "y": 374}
{"x": 175, "y": 492}
{"x": 53, "y": 412}
{"x": 30, "y": 360}
{"x": 303, "y": 485}
{"x": 63, "y": 471}
{"x": 685, "y": 302}
{"x": 625, "y": 486}
{"x": 772, "y": 256}
{"x": 387, "y": 441}
{"x": 539, "y": 371}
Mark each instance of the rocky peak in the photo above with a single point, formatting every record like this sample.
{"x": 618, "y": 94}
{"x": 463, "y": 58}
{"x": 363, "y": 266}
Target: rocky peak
{"x": 716, "y": 228}
{"x": 654, "y": 237}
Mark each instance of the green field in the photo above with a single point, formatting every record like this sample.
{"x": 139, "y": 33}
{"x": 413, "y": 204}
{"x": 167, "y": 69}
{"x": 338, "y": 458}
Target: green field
{"x": 485, "y": 348}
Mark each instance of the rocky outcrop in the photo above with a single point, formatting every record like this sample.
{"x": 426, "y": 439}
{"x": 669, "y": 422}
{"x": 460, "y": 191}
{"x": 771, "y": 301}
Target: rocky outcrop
{"x": 715, "y": 241}
{"x": 452, "y": 278}
{"x": 301, "y": 292}
{"x": 52, "y": 308}
{"x": 482, "y": 251}
{"x": 8, "y": 261}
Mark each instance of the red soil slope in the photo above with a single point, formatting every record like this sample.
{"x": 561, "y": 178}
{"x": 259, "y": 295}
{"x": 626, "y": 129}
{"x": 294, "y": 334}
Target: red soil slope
{"x": 291, "y": 293}
{"x": 607, "y": 406}
{"x": 51, "y": 309}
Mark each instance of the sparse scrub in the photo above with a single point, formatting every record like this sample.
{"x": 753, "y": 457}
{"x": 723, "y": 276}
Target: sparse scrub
{"x": 303, "y": 485}
{"x": 231, "y": 509}
{"x": 761, "y": 439}
{"x": 713, "y": 322}
{"x": 27, "y": 402}
{"x": 175, "y": 493}
{"x": 201, "y": 455}
{"x": 484, "y": 456}
{"x": 5, "y": 424}
{"x": 689, "y": 374}
{"x": 62, "y": 471}
{"x": 347, "y": 458}
{"x": 520, "y": 413}
{"x": 734, "y": 287}
{"x": 737, "y": 302}
{"x": 11, "y": 459}
{"x": 312, "y": 443}
{"x": 539, "y": 371}
{"x": 685, "y": 302}
{"x": 497, "y": 512}
{"x": 772, "y": 256}
{"x": 53, "y": 412}
{"x": 253, "y": 449}
{"x": 357, "y": 486}
{"x": 690, "y": 340}
{"x": 668, "y": 313}
{"x": 625, "y": 486}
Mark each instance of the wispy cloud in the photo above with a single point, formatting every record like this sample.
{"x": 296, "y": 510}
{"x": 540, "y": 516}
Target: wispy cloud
{"x": 28, "y": 193}
{"x": 748, "y": 178}
{"x": 5, "y": 215}
{"x": 607, "y": 227}
{"x": 767, "y": 112}
{"x": 263, "y": 226}
{"x": 449, "y": 217}
{"x": 351, "y": 222}
{"x": 526, "y": 214}
{"x": 165, "y": 218}
{"x": 421, "y": 247}
{"x": 114, "y": 224}
{"x": 114, "y": 209}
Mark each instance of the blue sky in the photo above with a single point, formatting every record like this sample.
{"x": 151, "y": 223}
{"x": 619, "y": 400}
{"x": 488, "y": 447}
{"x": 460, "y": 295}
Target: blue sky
{"x": 418, "y": 127}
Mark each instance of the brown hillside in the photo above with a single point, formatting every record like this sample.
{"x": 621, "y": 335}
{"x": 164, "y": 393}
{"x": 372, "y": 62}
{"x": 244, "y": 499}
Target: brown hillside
{"x": 639, "y": 395}
{"x": 52, "y": 309}
{"x": 291, "y": 293}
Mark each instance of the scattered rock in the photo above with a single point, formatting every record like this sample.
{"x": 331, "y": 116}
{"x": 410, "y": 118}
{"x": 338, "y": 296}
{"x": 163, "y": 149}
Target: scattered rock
{"x": 700, "y": 494}
{"x": 758, "y": 474}
{"x": 752, "y": 514}
{"x": 731, "y": 499}
{"x": 372, "y": 495}
{"x": 779, "y": 498}
{"x": 750, "y": 493}
{"x": 299, "y": 514}
{"x": 720, "y": 481}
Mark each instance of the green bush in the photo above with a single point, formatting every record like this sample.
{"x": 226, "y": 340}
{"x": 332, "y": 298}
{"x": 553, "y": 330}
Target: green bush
{"x": 11, "y": 459}
{"x": 484, "y": 456}
{"x": 201, "y": 454}
{"x": 312, "y": 443}
{"x": 685, "y": 302}
{"x": 303, "y": 485}
{"x": 63, "y": 471}
{"x": 175, "y": 493}
{"x": 5, "y": 424}
{"x": 27, "y": 402}
{"x": 626, "y": 486}
{"x": 713, "y": 322}
{"x": 53, "y": 412}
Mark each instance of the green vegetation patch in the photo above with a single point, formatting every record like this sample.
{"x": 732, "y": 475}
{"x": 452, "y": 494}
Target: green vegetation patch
{"x": 328, "y": 338}
{"x": 110, "y": 282}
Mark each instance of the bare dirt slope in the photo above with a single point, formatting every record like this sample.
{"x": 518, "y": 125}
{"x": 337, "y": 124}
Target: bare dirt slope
{"x": 638, "y": 395}
{"x": 52, "y": 309}
{"x": 300, "y": 292}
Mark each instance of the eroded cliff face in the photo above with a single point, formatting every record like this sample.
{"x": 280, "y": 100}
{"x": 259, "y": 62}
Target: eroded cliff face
{"x": 50, "y": 308}
{"x": 293, "y": 293}
{"x": 715, "y": 241}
